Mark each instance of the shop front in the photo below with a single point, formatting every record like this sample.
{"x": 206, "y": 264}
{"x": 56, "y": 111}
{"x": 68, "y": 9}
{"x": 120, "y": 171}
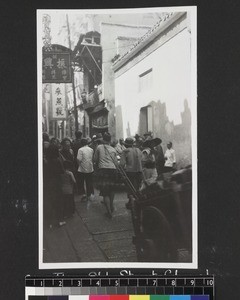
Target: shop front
{"x": 98, "y": 118}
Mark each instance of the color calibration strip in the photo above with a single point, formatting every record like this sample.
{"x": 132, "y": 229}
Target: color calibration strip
{"x": 81, "y": 286}
{"x": 122, "y": 297}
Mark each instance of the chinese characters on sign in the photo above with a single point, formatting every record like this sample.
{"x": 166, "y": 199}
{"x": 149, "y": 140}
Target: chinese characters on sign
{"x": 59, "y": 102}
{"x": 56, "y": 67}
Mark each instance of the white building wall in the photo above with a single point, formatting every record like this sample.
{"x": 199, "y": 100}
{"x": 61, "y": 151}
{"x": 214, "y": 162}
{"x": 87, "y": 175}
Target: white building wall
{"x": 109, "y": 34}
{"x": 171, "y": 82}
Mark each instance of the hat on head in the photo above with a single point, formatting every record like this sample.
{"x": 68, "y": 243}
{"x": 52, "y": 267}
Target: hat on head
{"x": 45, "y": 137}
{"x": 128, "y": 142}
{"x": 65, "y": 140}
{"x": 84, "y": 141}
{"x": 78, "y": 134}
{"x": 99, "y": 137}
{"x": 107, "y": 137}
{"x": 149, "y": 133}
{"x": 149, "y": 142}
{"x": 137, "y": 135}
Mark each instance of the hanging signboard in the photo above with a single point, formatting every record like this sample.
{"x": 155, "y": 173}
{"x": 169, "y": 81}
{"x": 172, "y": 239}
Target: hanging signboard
{"x": 100, "y": 121}
{"x": 59, "y": 111}
{"x": 56, "y": 65}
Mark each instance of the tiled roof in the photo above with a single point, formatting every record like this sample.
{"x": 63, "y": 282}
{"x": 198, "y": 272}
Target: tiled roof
{"x": 153, "y": 29}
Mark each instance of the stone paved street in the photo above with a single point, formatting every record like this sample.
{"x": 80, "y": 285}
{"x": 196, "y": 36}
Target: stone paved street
{"x": 90, "y": 236}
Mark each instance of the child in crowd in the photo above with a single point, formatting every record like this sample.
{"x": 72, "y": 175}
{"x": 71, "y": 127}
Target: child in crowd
{"x": 68, "y": 181}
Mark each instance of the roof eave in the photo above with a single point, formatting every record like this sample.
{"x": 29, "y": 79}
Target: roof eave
{"x": 120, "y": 62}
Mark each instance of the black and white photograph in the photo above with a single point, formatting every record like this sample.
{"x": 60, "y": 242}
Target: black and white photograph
{"x": 117, "y": 137}
{"x": 141, "y": 80}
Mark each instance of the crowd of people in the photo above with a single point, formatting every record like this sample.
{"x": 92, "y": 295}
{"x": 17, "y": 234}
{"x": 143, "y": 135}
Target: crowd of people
{"x": 85, "y": 165}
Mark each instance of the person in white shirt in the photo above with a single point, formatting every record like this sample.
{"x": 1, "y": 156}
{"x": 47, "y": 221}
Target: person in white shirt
{"x": 170, "y": 158}
{"x": 85, "y": 168}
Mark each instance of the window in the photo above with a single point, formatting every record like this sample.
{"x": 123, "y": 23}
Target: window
{"x": 145, "y": 80}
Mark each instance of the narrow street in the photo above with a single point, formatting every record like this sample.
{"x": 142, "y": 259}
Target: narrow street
{"x": 90, "y": 236}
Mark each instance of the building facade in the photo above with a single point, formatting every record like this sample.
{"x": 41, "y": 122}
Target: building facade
{"x": 97, "y": 40}
{"x": 153, "y": 85}
{"x": 95, "y": 54}
{"x": 115, "y": 40}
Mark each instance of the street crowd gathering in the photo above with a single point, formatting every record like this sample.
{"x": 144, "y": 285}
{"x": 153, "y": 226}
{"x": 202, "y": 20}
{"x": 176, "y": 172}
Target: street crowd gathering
{"x": 85, "y": 166}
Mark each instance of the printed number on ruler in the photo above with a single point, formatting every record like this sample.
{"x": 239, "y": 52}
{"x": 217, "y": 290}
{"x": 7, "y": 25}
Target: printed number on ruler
{"x": 209, "y": 282}
{"x": 173, "y": 282}
{"x": 60, "y": 283}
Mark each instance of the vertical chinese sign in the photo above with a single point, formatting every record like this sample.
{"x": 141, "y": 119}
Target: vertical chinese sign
{"x": 59, "y": 105}
{"x": 57, "y": 71}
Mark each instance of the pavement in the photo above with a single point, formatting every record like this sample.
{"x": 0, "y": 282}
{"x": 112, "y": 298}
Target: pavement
{"x": 90, "y": 236}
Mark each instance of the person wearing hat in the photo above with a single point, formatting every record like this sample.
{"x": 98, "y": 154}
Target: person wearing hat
{"x": 149, "y": 161}
{"x": 138, "y": 141}
{"x": 148, "y": 135}
{"x": 170, "y": 158}
{"x": 96, "y": 140}
{"x": 131, "y": 161}
{"x": 105, "y": 158}
{"x": 160, "y": 160}
{"x": 99, "y": 137}
{"x": 85, "y": 169}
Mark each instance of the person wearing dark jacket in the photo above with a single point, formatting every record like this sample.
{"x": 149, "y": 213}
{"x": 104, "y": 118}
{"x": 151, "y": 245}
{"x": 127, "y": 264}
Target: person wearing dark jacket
{"x": 66, "y": 153}
{"x": 160, "y": 159}
{"x": 149, "y": 161}
{"x": 77, "y": 144}
{"x": 131, "y": 161}
{"x": 52, "y": 201}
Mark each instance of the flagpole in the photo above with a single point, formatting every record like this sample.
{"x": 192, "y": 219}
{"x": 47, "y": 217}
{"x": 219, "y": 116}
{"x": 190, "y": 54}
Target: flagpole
{"x": 73, "y": 82}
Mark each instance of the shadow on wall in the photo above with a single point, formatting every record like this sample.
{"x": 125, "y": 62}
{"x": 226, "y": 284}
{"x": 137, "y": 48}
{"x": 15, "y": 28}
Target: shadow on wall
{"x": 153, "y": 118}
{"x": 179, "y": 135}
{"x": 119, "y": 122}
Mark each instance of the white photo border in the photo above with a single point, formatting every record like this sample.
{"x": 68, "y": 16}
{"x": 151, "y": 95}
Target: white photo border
{"x": 86, "y": 265}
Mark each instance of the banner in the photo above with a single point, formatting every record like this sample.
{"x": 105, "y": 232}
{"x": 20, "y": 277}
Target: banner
{"x": 59, "y": 111}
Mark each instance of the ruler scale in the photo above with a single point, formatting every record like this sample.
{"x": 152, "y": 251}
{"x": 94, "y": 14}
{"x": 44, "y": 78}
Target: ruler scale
{"x": 145, "y": 288}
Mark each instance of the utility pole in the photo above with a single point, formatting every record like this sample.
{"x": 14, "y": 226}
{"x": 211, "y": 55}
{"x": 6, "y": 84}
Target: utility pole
{"x": 73, "y": 82}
